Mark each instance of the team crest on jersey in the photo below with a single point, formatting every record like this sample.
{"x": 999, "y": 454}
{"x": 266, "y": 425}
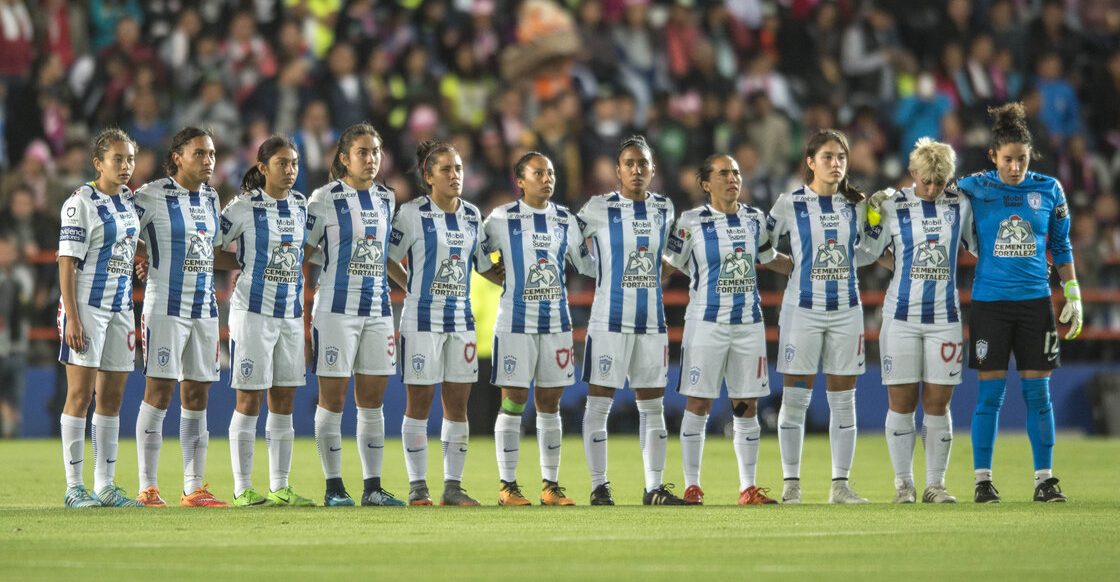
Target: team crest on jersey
{"x": 366, "y": 258}
{"x": 931, "y": 261}
{"x": 509, "y": 364}
{"x": 605, "y": 365}
{"x": 200, "y": 253}
{"x": 542, "y": 282}
{"x": 71, "y": 211}
{"x": 163, "y": 357}
{"x": 950, "y": 216}
{"x": 888, "y": 365}
{"x": 640, "y": 269}
{"x": 790, "y": 352}
{"x": 846, "y": 212}
{"x": 330, "y": 355}
{"x": 981, "y": 349}
{"x": 246, "y": 368}
{"x": 694, "y": 376}
{"x": 830, "y": 263}
{"x": 1015, "y": 238}
{"x": 736, "y": 273}
{"x": 451, "y": 278}
{"x": 418, "y": 363}
{"x": 1034, "y": 200}
{"x": 282, "y": 266}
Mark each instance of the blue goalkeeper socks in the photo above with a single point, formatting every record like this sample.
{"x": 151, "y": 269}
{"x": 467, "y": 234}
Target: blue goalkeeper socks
{"x": 985, "y": 421}
{"x": 1040, "y": 421}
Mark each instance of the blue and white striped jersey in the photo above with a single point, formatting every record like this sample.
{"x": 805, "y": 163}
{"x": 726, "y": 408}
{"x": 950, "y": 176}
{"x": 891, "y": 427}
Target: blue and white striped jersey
{"x": 101, "y": 231}
{"x": 268, "y": 237}
{"x": 351, "y": 227}
{"x": 824, "y": 235}
{"x": 180, "y": 229}
{"x": 534, "y": 244}
{"x": 441, "y": 249}
{"x": 628, "y": 238}
{"x": 925, "y": 237}
{"x": 719, "y": 252}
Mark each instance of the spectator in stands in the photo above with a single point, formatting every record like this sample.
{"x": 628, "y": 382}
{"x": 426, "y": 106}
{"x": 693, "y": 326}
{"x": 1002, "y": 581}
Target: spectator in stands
{"x": 1061, "y": 110}
{"x": 249, "y": 59}
{"x": 770, "y": 133}
{"x": 16, "y": 287}
{"x": 869, "y": 55}
{"x": 213, "y": 110}
{"x": 17, "y": 43}
{"x": 315, "y": 140}
{"x": 920, "y": 114}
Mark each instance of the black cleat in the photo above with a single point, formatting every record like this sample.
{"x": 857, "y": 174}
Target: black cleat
{"x": 662, "y": 496}
{"x": 601, "y": 495}
{"x": 986, "y": 492}
{"x": 1049, "y": 492}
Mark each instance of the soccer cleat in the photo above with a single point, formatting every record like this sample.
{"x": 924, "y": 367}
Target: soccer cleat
{"x": 381, "y": 498}
{"x": 791, "y": 492}
{"x": 455, "y": 495}
{"x": 285, "y": 497}
{"x": 78, "y": 498}
{"x": 841, "y": 493}
{"x": 510, "y": 494}
{"x": 937, "y": 494}
{"x": 418, "y": 493}
{"x": 112, "y": 495}
{"x": 150, "y": 497}
{"x": 693, "y": 495}
{"x": 250, "y": 498}
{"x": 553, "y": 494}
{"x": 1049, "y": 492}
{"x": 986, "y": 492}
{"x": 601, "y": 495}
{"x": 201, "y": 497}
{"x": 755, "y": 496}
{"x": 905, "y": 492}
{"x": 662, "y": 495}
{"x": 338, "y": 499}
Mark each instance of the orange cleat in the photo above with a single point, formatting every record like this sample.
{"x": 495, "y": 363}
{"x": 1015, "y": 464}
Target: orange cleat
{"x": 553, "y": 494}
{"x": 150, "y": 497}
{"x": 754, "y": 496}
{"x": 202, "y": 497}
{"x": 693, "y": 495}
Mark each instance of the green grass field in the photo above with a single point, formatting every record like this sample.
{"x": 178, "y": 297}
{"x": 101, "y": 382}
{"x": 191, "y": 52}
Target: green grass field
{"x": 1016, "y": 539}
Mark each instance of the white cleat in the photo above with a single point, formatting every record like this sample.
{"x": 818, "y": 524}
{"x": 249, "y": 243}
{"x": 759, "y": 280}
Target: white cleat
{"x": 842, "y": 493}
{"x": 791, "y": 492}
{"x": 905, "y": 492}
{"x": 937, "y": 494}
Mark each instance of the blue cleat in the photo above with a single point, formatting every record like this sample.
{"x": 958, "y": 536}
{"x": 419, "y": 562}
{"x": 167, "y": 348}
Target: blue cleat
{"x": 382, "y": 498}
{"x": 338, "y": 499}
{"x": 112, "y": 495}
{"x": 78, "y": 498}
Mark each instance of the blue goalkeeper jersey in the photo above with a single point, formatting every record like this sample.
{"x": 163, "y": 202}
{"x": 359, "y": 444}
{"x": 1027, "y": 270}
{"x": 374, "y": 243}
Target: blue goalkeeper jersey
{"x": 1015, "y": 226}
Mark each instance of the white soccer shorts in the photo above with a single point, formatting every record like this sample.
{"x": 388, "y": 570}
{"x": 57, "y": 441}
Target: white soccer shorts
{"x": 429, "y": 357}
{"x": 180, "y": 348}
{"x": 344, "y": 345}
{"x": 520, "y": 358}
{"x": 714, "y": 352}
{"x": 814, "y": 340}
{"x": 265, "y": 351}
{"x": 921, "y": 352}
{"x": 110, "y": 339}
{"x": 611, "y": 358}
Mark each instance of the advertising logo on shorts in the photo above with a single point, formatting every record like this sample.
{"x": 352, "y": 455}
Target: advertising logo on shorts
{"x": 246, "y": 368}
{"x": 418, "y": 363}
{"x": 888, "y": 365}
{"x": 1015, "y": 238}
{"x": 200, "y": 253}
{"x": 542, "y": 281}
{"x": 281, "y": 267}
{"x": 830, "y": 263}
{"x": 163, "y": 357}
{"x": 640, "y": 269}
{"x": 931, "y": 261}
{"x": 694, "y": 376}
{"x": 366, "y": 258}
{"x": 330, "y": 355}
{"x": 605, "y": 365}
{"x": 450, "y": 278}
{"x": 981, "y": 349}
{"x": 736, "y": 273}
{"x": 509, "y": 364}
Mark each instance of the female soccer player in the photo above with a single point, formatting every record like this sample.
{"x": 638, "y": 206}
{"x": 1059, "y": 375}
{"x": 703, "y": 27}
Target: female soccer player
{"x": 352, "y": 325}
{"x": 626, "y": 337}
{"x": 95, "y": 248}
{"x": 264, "y": 226}
{"x": 717, "y": 245}
{"x": 442, "y": 236}
{"x": 533, "y": 333}
{"x": 179, "y": 325}
{"x": 1019, "y": 216}
{"x": 821, "y": 323}
{"x": 921, "y": 339}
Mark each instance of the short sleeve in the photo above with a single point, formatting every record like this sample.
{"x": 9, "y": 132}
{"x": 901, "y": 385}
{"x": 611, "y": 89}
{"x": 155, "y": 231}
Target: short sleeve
{"x": 589, "y": 218}
{"x": 73, "y": 235}
{"x": 482, "y": 262}
{"x": 679, "y": 247}
{"x": 231, "y": 226}
{"x": 780, "y": 216}
{"x": 968, "y": 227}
{"x": 577, "y": 252}
{"x": 766, "y": 250}
{"x": 403, "y": 233}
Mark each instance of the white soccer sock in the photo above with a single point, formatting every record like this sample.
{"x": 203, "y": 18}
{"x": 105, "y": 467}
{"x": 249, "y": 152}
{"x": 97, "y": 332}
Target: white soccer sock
{"x": 242, "y": 438}
{"x": 937, "y": 433}
{"x": 105, "y": 433}
{"x": 453, "y": 436}
{"x": 414, "y": 437}
{"x": 550, "y": 434}
{"x": 371, "y": 440}
{"x": 899, "y": 430}
{"x": 747, "y": 434}
{"x": 791, "y": 428}
{"x": 73, "y": 430}
{"x": 983, "y": 475}
{"x": 280, "y": 436}
{"x": 842, "y": 431}
{"x": 194, "y": 439}
{"x": 507, "y": 442}
{"x": 1042, "y": 475}
{"x": 595, "y": 437}
{"x": 328, "y": 439}
{"x": 657, "y": 442}
{"x": 693, "y": 427}
{"x": 149, "y": 441}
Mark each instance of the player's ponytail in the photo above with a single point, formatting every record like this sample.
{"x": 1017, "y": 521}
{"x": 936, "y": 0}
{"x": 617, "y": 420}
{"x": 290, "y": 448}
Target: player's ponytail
{"x": 846, "y": 188}
{"x": 425, "y": 155}
{"x": 1009, "y": 125}
{"x": 519, "y": 167}
{"x": 704, "y": 173}
{"x": 634, "y": 141}
{"x": 178, "y": 142}
{"x": 345, "y": 141}
{"x": 105, "y": 140}
{"x": 253, "y": 178}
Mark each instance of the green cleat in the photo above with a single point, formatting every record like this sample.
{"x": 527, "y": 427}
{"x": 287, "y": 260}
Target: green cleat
{"x": 113, "y": 495}
{"x": 250, "y": 498}
{"x": 287, "y": 498}
{"x": 78, "y": 498}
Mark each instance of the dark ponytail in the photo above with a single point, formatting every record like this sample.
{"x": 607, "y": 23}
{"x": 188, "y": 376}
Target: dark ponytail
{"x": 253, "y": 178}
{"x": 105, "y": 140}
{"x": 519, "y": 167}
{"x": 1009, "y": 125}
{"x": 180, "y": 140}
{"x": 849, "y": 191}
{"x": 704, "y": 173}
{"x": 634, "y": 141}
{"x": 425, "y": 151}
{"x": 345, "y": 141}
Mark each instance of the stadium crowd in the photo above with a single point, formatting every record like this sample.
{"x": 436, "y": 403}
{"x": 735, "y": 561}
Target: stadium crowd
{"x": 570, "y": 79}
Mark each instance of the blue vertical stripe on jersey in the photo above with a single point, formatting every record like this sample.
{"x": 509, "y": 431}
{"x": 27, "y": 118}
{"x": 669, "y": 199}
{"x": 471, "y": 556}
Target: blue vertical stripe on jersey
{"x": 641, "y": 294}
{"x": 517, "y": 260}
{"x": 153, "y": 245}
{"x": 738, "y": 300}
{"x": 101, "y": 274}
{"x": 712, "y": 258}
{"x": 261, "y": 231}
{"x": 565, "y": 317}
{"x": 618, "y": 262}
{"x": 216, "y": 216}
{"x": 342, "y": 262}
{"x": 202, "y": 284}
{"x": 662, "y": 240}
{"x": 831, "y": 287}
{"x": 544, "y": 307}
{"x": 280, "y": 302}
{"x": 906, "y": 230}
{"x": 929, "y": 288}
{"x": 424, "y": 305}
{"x": 178, "y": 240}
{"x": 756, "y": 309}
{"x": 853, "y": 233}
{"x": 805, "y": 237}
{"x": 365, "y": 300}
{"x": 954, "y": 247}
{"x": 386, "y": 305}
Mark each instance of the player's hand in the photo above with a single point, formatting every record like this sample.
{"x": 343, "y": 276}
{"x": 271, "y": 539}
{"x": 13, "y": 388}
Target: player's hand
{"x": 873, "y": 204}
{"x": 1072, "y": 313}
{"x": 75, "y": 334}
{"x": 140, "y": 265}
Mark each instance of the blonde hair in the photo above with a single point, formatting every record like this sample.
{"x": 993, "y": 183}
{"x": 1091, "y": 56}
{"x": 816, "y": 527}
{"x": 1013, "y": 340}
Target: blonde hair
{"x": 933, "y": 160}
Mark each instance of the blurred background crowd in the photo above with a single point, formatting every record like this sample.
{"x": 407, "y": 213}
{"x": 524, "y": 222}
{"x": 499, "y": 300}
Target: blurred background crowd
{"x": 569, "y": 78}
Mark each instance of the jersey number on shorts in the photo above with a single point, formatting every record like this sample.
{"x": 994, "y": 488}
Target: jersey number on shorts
{"x": 951, "y": 351}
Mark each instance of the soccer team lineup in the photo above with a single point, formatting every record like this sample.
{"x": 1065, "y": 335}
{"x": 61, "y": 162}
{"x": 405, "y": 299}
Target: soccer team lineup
{"x": 355, "y": 239}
